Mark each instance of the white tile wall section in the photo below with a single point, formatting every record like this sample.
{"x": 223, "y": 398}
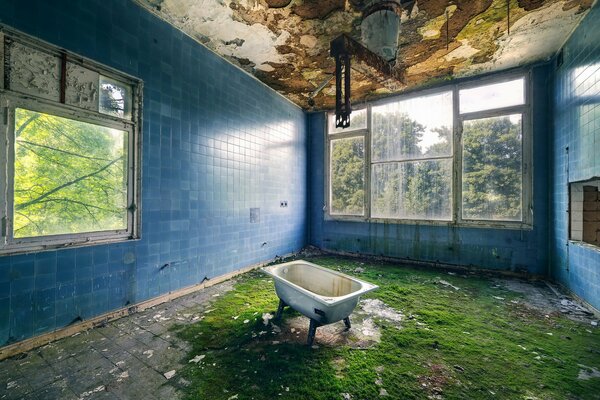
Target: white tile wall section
{"x": 576, "y": 208}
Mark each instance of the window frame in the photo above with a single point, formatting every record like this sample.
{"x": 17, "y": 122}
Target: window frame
{"x": 457, "y": 147}
{"x": 11, "y": 100}
{"x": 365, "y": 134}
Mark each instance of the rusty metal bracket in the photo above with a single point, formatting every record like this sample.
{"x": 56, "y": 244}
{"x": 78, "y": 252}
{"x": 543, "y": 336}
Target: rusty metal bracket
{"x": 343, "y": 49}
{"x": 343, "y": 108}
{"x": 63, "y": 76}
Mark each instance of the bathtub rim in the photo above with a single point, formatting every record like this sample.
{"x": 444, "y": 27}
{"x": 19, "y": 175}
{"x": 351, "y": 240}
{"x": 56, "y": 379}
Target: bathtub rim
{"x": 325, "y": 300}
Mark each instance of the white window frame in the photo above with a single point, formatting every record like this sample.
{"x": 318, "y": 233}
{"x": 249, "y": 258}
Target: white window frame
{"x": 457, "y": 147}
{"x": 365, "y": 134}
{"x": 10, "y": 101}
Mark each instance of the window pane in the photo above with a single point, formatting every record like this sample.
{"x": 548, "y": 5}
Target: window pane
{"x": 412, "y": 190}
{"x": 420, "y": 127}
{"x": 70, "y": 176}
{"x": 358, "y": 120}
{"x": 497, "y": 95}
{"x": 347, "y": 176}
{"x": 492, "y": 168}
{"x": 115, "y": 98}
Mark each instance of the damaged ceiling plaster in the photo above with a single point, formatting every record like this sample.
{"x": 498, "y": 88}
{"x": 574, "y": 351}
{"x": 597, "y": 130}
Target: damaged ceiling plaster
{"x": 285, "y": 43}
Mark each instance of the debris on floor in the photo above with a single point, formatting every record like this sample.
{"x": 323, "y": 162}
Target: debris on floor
{"x": 409, "y": 339}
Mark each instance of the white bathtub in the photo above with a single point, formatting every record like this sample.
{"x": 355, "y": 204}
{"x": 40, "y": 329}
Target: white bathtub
{"x": 323, "y": 295}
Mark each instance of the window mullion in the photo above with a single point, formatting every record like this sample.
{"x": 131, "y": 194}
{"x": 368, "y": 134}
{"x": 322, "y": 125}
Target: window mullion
{"x": 457, "y": 161}
{"x": 9, "y": 178}
{"x": 368, "y": 165}
{"x": 527, "y": 166}
{"x": 3, "y": 180}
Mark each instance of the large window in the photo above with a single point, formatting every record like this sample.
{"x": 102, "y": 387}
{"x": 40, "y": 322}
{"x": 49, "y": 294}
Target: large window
{"x": 411, "y": 154}
{"x": 454, "y": 155}
{"x": 69, "y": 150}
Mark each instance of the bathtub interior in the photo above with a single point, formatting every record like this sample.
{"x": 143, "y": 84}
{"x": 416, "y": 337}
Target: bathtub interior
{"x": 319, "y": 281}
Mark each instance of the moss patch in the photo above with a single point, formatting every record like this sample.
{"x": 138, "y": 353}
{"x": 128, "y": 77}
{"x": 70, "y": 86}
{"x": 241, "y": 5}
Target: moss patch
{"x": 464, "y": 336}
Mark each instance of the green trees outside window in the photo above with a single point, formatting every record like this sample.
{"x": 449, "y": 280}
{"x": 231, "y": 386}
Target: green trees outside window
{"x": 348, "y": 176}
{"x": 492, "y": 179}
{"x": 410, "y": 144}
{"x": 69, "y": 176}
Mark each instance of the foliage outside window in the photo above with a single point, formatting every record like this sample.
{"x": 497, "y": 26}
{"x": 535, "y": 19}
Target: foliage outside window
{"x": 492, "y": 177}
{"x": 348, "y": 176}
{"x": 70, "y": 176}
{"x": 452, "y": 156}
{"x": 411, "y": 150}
{"x": 69, "y": 154}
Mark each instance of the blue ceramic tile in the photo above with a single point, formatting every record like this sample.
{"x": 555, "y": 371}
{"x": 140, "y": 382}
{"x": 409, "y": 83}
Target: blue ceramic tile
{"x": 22, "y": 266}
{"x": 576, "y": 124}
{"x": 190, "y": 205}
{"x": 22, "y": 286}
{"x": 45, "y": 263}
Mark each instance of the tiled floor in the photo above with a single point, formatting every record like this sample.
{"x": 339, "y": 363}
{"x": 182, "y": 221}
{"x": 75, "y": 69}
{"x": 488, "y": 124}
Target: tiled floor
{"x": 125, "y": 359}
{"x": 139, "y": 356}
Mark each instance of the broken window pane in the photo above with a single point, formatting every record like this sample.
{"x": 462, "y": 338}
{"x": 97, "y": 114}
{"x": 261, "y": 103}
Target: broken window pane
{"x": 347, "y": 194}
{"x": 415, "y": 128}
{"x": 412, "y": 190}
{"x": 115, "y": 98}
{"x": 496, "y": 95}
{"x": 69, "y": 176}
{"x": 358, "y": 120}
{"x": 492, "y": 168}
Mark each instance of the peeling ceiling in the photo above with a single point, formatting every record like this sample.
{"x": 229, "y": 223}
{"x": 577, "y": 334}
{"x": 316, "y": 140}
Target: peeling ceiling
{"x": 285, "y": 43}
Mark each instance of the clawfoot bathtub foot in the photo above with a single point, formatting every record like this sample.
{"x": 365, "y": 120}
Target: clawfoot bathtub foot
{"x": 312, "y": 329}
{"x": 347, "y": 323}
{"x": 280, "y": 309}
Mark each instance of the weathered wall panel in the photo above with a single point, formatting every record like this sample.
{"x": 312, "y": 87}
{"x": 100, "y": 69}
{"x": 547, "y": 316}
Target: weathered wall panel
{"x": 81, "y": 87}
{"x": 33, "y": 72}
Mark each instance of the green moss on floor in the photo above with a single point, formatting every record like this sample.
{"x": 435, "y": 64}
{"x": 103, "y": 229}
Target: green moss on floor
{"x": 479, "y": 342}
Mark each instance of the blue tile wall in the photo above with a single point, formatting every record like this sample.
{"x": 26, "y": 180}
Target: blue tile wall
{"x": 514, "y": 250}
{"x": 216, "y": 143}
{"x": 576, "y": 127}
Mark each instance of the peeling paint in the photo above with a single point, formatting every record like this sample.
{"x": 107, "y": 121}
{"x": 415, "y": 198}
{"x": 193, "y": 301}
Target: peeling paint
{"x": 464, "y": 51}
{"x": 34, "y": 72}
{"x": 536, "y": 36}
{"x": 432, "y": 30}
{"x": 215, "y": 20}
{"x": 286, "y": 43}
{"x": 82, "y": 87}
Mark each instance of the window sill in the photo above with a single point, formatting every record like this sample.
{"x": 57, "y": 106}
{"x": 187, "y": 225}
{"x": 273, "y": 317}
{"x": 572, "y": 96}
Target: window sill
{"x": 584, "y": 245}
{"x": 36, "y": 248}
{"x": 517, "y": 226}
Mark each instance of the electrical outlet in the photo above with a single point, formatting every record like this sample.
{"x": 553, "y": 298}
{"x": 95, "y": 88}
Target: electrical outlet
{"x": 254, "y": 215}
